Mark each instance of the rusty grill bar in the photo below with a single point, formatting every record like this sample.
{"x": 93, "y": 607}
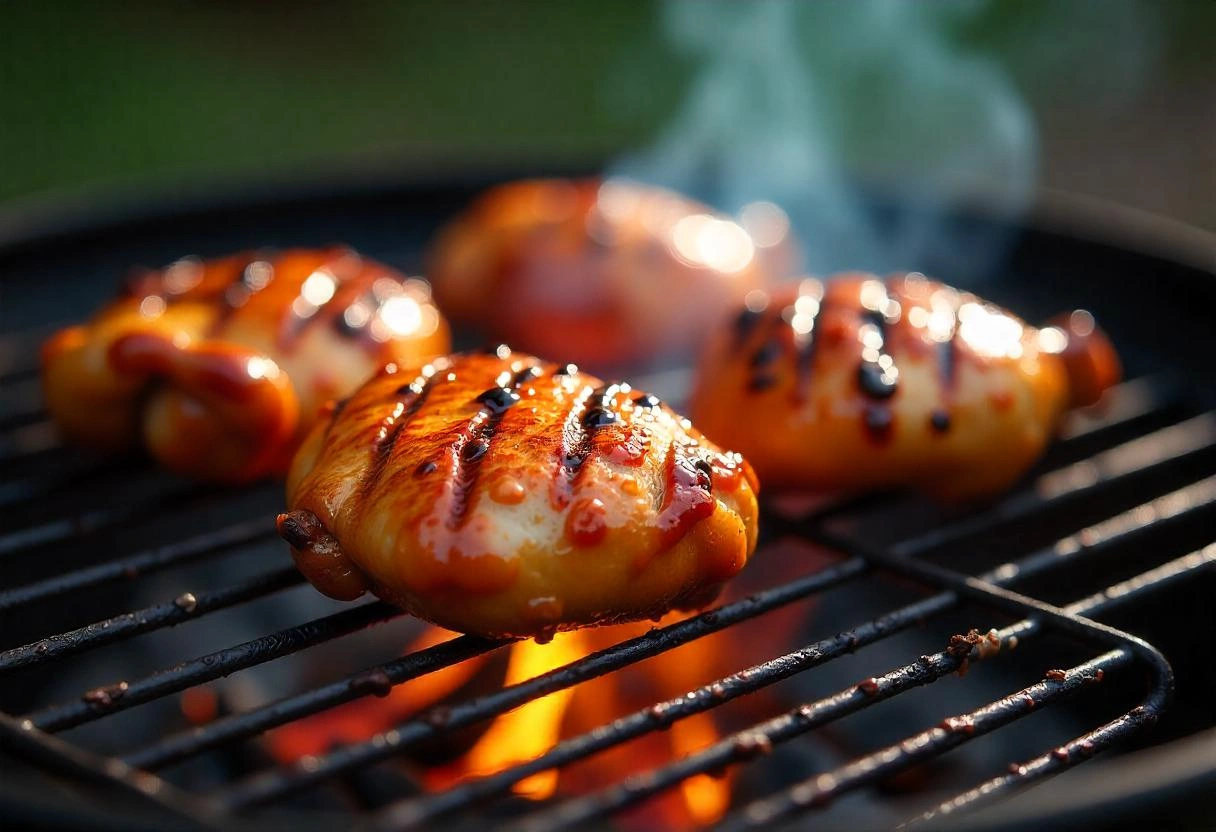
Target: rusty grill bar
{"x": 1152, "y": 446}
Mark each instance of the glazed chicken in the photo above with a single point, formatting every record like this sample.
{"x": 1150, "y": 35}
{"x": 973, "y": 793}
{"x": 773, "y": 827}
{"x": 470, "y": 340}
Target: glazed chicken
{"x": 502, "y": 495}
{"x": 862, "y": 384}
{"x": 220, "y": 366}
{"x": 605, "y": 273}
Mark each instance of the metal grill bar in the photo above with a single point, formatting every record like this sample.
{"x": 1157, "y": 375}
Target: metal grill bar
{"x": 122, "y": 695}
{"x": 21, "y": 418}
{"x": 1088, "y": 543}
{"x": 183, "y": 608}
{"x": 22, "y": 396}
{"x": 1161, "y": 450}
{"x": 24, "y": 445}
{"x": 55, "y": 531}
{"x": 42, "y": 481}
{"x": 1131, "y": 459}
{"x": 221, "y": 541}
{"x": 69, "y": 760}
{"x": 922, "y": 746}
{"x": 372, "y": 681}
{"x": 807, "y": 717}
{"x": 272, "y": 784}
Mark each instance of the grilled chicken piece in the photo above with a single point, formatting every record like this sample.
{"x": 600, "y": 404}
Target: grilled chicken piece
{"x": 603, "y": 272}
{"x": 863, "y": 384}
{"x": 219, "y": 367}
{"x": 503, "y": 495}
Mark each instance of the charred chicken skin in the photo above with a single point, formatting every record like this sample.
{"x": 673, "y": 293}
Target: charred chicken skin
{"x": 220, "y": 366}
{"x": 588, "y": 269}
{"x": 502, "y": 495}
{"x": 860, "y": 384}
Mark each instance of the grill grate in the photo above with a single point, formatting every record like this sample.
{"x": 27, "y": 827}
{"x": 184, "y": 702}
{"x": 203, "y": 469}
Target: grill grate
{"x": 1151, "y": 443}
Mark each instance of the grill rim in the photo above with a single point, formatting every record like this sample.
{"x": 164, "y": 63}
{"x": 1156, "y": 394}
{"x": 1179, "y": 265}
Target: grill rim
{"x": 8, "y": 246}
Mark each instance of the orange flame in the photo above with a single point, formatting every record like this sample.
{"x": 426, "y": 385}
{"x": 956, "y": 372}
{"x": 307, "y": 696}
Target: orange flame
{"x": 361, "y": 719}
{"x": 534, "y": 728}
{"x": 526, "y": 732}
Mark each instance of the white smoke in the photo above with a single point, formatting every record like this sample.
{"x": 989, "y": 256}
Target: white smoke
{"x": 798, "y": 102}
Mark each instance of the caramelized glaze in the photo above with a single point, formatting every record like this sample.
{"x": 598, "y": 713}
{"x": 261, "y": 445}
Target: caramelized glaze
{"x": 221, "y": 366}
{"x": 492, "y": 480}
{"x": 864, "y": 383}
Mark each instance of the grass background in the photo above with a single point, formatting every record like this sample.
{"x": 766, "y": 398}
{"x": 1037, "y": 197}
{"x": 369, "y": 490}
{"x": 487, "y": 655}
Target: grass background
{"x": 1122, "y": 92}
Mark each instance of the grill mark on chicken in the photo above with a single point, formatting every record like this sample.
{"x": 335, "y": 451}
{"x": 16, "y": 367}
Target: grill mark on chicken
{"x": 335, "y": 411}
{"x": 228, "y": 296}
{"x": 577, "y": 431}
{"x": 474, "y": 443}
{"x": 947, "y": 367}
{"x": 810, "y": 348}
{"x": 353, "y": 276}
{"x": 416, "y": 395}
{"x": 346, "y": 293}
{"x": 745, "y": 323}
{"x": 253, "y": 277}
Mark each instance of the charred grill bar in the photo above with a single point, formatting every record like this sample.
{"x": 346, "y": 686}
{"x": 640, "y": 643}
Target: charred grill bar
{"x": 1107, "y": 466}
{"x": 1125, "y": 481}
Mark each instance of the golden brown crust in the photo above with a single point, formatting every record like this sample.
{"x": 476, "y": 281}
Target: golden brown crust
{"x": 861, "y": 383}
{"x": 219, "y": 367}
{"x": 601, "y": 272}
{"x": 503, "y": 495}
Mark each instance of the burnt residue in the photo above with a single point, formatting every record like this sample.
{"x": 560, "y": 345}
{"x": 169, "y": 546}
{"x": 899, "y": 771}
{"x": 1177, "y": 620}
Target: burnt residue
{"x": 300, "y": 528}
{"x": 705, "y": 475}
{"x": 808, "y": 348}
{"x": 873, "y": 378}
{"x": 411, "y": 398}
{"x": 763, "y": 357}
{"x": 598, "y": 417}
{"x": 525, "y": 375}
{"x": 947, "y": 373}
{"x": 878, "y": 420}
{"x": 375, "y": 682}
{"x": 498, "y": 400}
{"x": 104, "y": 697}
{"x": 947, "y": 359}
{"x": 874, "y": 381}
{"x": 877, "y": 375}
{"x": 578, "y": 429}
{"x": 493, "y": 406}
{"x": 761, "y": 381}
{"x": 746, "y": 323}
{"x": 253, "y": 277}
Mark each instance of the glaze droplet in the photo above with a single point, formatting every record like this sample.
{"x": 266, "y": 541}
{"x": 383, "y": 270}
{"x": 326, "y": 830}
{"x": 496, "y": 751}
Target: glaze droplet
{"x": 507, "y": 491}
{"x": 586, "y": 524}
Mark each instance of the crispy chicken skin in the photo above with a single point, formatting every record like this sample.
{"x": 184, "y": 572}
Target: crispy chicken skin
{"x": 220, "y": 366}
{"x": 602, "y": 272}
{"x": 863, "y": 384}
{"x": 502, "y": 495}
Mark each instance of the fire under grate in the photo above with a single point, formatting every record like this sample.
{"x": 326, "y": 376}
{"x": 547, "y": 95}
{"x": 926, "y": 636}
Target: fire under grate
{"x": 1119, "y": 479}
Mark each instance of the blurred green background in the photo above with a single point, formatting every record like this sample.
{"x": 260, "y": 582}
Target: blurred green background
{"x": 1120, "y": 94}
